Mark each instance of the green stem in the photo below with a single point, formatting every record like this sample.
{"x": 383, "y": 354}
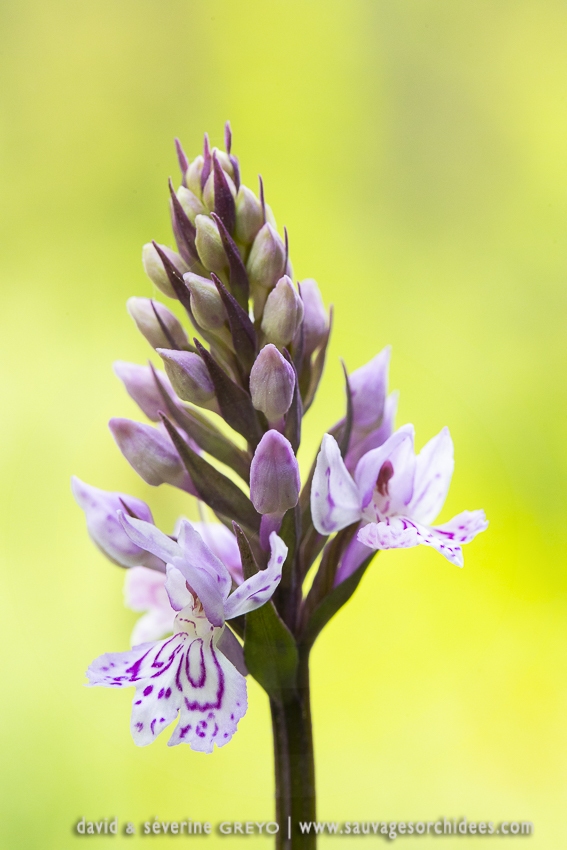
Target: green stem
{"x": 294, "y": 763}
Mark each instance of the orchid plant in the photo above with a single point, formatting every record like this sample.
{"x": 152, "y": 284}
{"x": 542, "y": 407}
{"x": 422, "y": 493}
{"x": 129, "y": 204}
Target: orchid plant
{"x": 226, "y": 599}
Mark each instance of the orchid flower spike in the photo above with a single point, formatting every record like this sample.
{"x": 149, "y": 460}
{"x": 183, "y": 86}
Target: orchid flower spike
{"x": 394, "y": 494}
{"x": 189, "y": 677}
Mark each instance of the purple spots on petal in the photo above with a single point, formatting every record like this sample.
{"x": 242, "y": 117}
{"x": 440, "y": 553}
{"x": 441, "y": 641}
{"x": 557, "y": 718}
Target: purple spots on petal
{"x": 162, "y": 720}
{"x": 280, "y": 559}
{"x": 148, "y": 690}
{"x": 152, "y": 725}
{"x": 225, "y": 735}
{"x": 139, "y": 726}
{"x": 161, "y": 693}
{"x": 183, "y": 731}
{"x": 168, "y": 693}
{"x": 138, "y": 702}
{"x": 232, "y": 716}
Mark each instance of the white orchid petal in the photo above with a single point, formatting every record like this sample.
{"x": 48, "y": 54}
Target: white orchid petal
{"x": 433, "y": 472}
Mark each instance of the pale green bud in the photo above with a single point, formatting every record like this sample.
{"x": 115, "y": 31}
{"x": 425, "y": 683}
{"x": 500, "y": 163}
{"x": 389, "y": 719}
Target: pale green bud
{"x": 143, "y": 311}
{"x": 209, "y": 245}
{"x": 265, "y": 264}
{"x": 283, "y": 313}
{"x": 192, "y": 206}
{"x": 189, "y": 376}
{"x": 193, "y": 176}
{"x": 249, "y": 216}
{"x": 154, "y": 269}
{"x": 206, "y": 302}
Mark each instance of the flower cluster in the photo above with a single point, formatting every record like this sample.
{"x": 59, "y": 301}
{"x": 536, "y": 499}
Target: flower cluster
{"x": 254, "y": 360}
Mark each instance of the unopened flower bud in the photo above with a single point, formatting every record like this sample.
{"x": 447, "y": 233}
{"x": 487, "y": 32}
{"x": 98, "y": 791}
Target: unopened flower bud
{"x": 151, "y": 453}
{"x": 209, "y": 245}
{"x": 192, "y": 206}
{"x": 206, "y": 302}
{"x": 272, "y": 381}
{"x": 265, "y": 264}
{"x": 274, "y": 475}
{"x": 154, "y": 269}
{"x": 189, "y": 377}
{"x": 209, "y": 190}
{"x": 193, "y": 176}
{"x": 141, "y": 386}
{"x": 315, "y": 317}
{"x": 249, "y": 216}
{"x": 283, "y": 313}
{"x": 144, "y": 310}
{"x": 101, "y": 507}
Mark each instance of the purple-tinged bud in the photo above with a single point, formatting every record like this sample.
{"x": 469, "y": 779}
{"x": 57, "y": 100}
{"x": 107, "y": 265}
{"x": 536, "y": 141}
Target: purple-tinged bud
{"x": 189, "y": 377}
{"x": 141, "y": 386}
{"x": 156, "y": 323}
{"x": 274, "y": 475}
{"x": 154, "y": 269}
{"x": 267, "y": 257}
{"x": 209, "y": 245}
{"x": 206, "y": 302}
{"x": 100, "y": 507}
{"x": 151, "y": 454}
{"x": 209, "y": 190}
{"x": 315, "y": 317}
{"x": 283, "y": 313}
{"x": 192, "y": 206}
{"x": 249, "y": 216}
{"x": 272, "y": 381}
{"x": 193, "y": 176}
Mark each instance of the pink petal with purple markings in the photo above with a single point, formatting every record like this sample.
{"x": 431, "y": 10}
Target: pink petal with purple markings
{"x": 335, "y": 499}
{"x": 222, "y": 543}
{"x": 184, "y": 677}
{"x": 368, "y": 387}
{"x": 363, "y": 442}
{"x": 385, "y": 475}
{"x": 258, "y": 589}
{"x": 149, "y": 537}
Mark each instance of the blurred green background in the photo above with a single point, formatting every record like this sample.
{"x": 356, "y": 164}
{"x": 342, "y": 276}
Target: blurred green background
{"x": 416, "y": 151}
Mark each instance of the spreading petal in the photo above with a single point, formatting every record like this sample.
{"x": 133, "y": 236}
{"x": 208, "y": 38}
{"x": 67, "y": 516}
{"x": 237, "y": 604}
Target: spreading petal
{"x": 433, "y": 472}
{"x": 335, "y": 499}
{"x": 462, "y": 528}
{"x": 147, "y": 536}
{"x": 197, "y": 553}
{"x": 397, "y": 460}
{"x": 258, "y": 589}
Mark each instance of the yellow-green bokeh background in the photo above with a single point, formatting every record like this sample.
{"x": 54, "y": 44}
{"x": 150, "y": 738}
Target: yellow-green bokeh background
{"x": 416, "y": 150}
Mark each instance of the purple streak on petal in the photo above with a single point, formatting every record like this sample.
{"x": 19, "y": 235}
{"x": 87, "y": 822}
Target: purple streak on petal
{"x": 258, "y": 589}
{"x": 335, "y": 500}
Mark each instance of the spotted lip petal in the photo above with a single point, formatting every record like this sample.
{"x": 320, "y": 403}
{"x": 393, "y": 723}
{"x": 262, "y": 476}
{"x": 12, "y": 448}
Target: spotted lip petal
{"x": 335, "y": 498}
{"x": 183, "y": 677}
{"x": 258, "y": 589}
